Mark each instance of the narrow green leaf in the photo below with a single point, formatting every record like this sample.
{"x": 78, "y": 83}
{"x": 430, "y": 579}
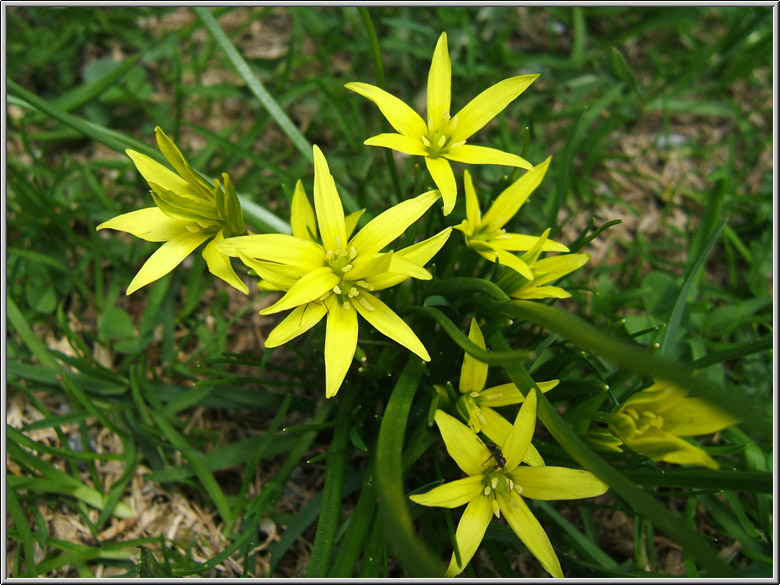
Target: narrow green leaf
{"x": 254, "y": 84}
{"x": 20, "y": 521}
{"x": 415, "y": 556}
{"x": 195, "y": 459}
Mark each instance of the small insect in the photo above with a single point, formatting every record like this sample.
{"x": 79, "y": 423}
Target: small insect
{"x": 495, "y": 453}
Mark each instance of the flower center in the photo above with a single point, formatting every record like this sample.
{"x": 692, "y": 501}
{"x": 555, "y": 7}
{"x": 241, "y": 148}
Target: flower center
{"x": 468, "y": 406}
{"x": 498, "y": 481}
{"x": 348, "y": 291}
{"x": 438, "y": 139}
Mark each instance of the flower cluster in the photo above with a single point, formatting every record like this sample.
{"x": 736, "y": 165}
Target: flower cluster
{"x": 329, "y": 269}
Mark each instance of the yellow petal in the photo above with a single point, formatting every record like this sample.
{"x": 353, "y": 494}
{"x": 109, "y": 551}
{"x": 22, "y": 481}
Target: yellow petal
{"x": 309, "y": 288}
{"x": 512, "y": 198}
{"x": 388, "y": 323}
{"x": 279, "y": 276}
{"x": 662, "y": 446}
{"x": 369, "y": 264}
{"x": 351, "y": 221}
{"x": 488, "y": 104}
{"x": 540, "y": 292}
{"x": 471, "y": 529}
{"x": 473, "y": 373}
{"x": 401, "y": 265}
{"x": 330, "y": 212}
{"x": 462, "y": 444}
{"x": 219, "y": 264}
{"x": 281, "y": 248}
{"x": 390, "y": 224}
{"x": 533, "y": 457}
{"x": 484, "y": 155}
{"x": 557, "y": 483}
{"x": 505, "y": 394}
{"x": 401, "y": 117}
{"x": 154, "y": 172}
{"x": 519, "y": 438}
{"x": 299, "y": 321}
{"x": 442, "y": 174}
{"x": 473, "y": 214}
{"x": 509, "y": 260}
{"x": 341, "y": 335}
{"x": 419, "y": 253}
{"x": 527, "y": 528}
{"x": 696, "y": 416}
{"x": 521, "y": 243}
{"x": 399, "y": 142}
{"x": 174, "y": 156}
{"x": 149, "y": 224}
{"x": 556, "y": 267}
{"x": 452, "y": 494}
{"x": 302, "y": 220}
{"x": 167, "y": 257}
{"x": 439, "y": 80}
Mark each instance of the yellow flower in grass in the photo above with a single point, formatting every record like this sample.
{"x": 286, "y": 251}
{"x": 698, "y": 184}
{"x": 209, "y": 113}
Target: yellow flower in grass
{"x": 652, "y": 422}
{"x": 486, "y": 234}
{"x": 443, "y": 138}
{"x": 492, "y": 489}
{"x": 189, "y": 212}
{"x": 338, "y": 274}
{"x": 543, "y": 272}
{"x": 477, "y": 403}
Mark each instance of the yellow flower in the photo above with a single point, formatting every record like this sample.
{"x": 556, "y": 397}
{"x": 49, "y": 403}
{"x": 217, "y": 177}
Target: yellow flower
{"x": 543, "y": 272}
{"x": 486, "y": 234}
{"x": 652, "y": 421}
{"x": 443, "y": 137}
{"x": 492, "y": 489}
{"x": 338, "y": 274}
{"x": 189, "y": 211}
{"x": 477, "y": 402}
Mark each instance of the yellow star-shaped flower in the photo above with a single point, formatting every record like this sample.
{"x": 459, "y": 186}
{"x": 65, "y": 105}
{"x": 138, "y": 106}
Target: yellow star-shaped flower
{"x": 338, "y": 274}
{"x": 444, "y": 138}
{"x": 189, "y": 211}
{"x": 501, "y": 487}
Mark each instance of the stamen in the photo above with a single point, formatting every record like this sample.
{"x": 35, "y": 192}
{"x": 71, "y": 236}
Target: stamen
{"x": 353, "y": 293}
{"x": 347, "y": 305}
{"x": 487, "y": 490}
{"x": 347, "y": 268}
{"x": 337, "y": 289}
{"x": 648, "y": 414}
{"x": 329, "y": 254}
{"x": 494, "y": 482}
{"x": 341, "y": 253}
{"x": 475, "y": 394}
{"x": 518, "y": 488}
{"x": 457, "y": 144}
{"x": 442, "y": 141}
{"x": 511, "y": 483}
{"x": 425, "y": 141}
{"x": 352, "y": 252}
{"x": 366, "y": 304}
{"x": 365, "y": 285}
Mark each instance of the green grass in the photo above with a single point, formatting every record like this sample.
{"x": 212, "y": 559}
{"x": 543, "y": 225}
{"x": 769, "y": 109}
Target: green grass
{"x": 165, "y": 401}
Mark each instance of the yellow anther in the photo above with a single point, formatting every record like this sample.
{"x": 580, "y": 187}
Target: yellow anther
{"x": 493, "y": 482}
{"x": 474, "y": 394}
{"x": 347, "y": 305}
{"x": 352, "y": 252}
{"x": 347, "y": 268}
{"x": 487, "y": 490}
{"x": 425, "y": 141}
{"x": 442, "y": 141}
{"x": 337, "y": 289}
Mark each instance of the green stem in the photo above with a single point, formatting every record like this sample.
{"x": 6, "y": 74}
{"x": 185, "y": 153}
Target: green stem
{"x": 592, "y": 340}
{"x": 638, "y": 499}
{"x": 414, "y": 554}
{"x": 330, "y": 510}
{"x": 380, "y": 82}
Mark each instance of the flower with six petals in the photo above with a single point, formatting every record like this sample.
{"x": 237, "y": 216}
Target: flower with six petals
{"x": 493, "y": 489}
{"x": 443, "y": 137}
{"x": 189, "y": 211}
{"x": 338, "y": 274}
{"x": 486, "y": 235}
{"x": 652, "y": 422}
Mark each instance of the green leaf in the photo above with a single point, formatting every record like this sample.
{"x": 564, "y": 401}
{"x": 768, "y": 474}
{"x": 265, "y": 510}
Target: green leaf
{"x": 115, "y": 323}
